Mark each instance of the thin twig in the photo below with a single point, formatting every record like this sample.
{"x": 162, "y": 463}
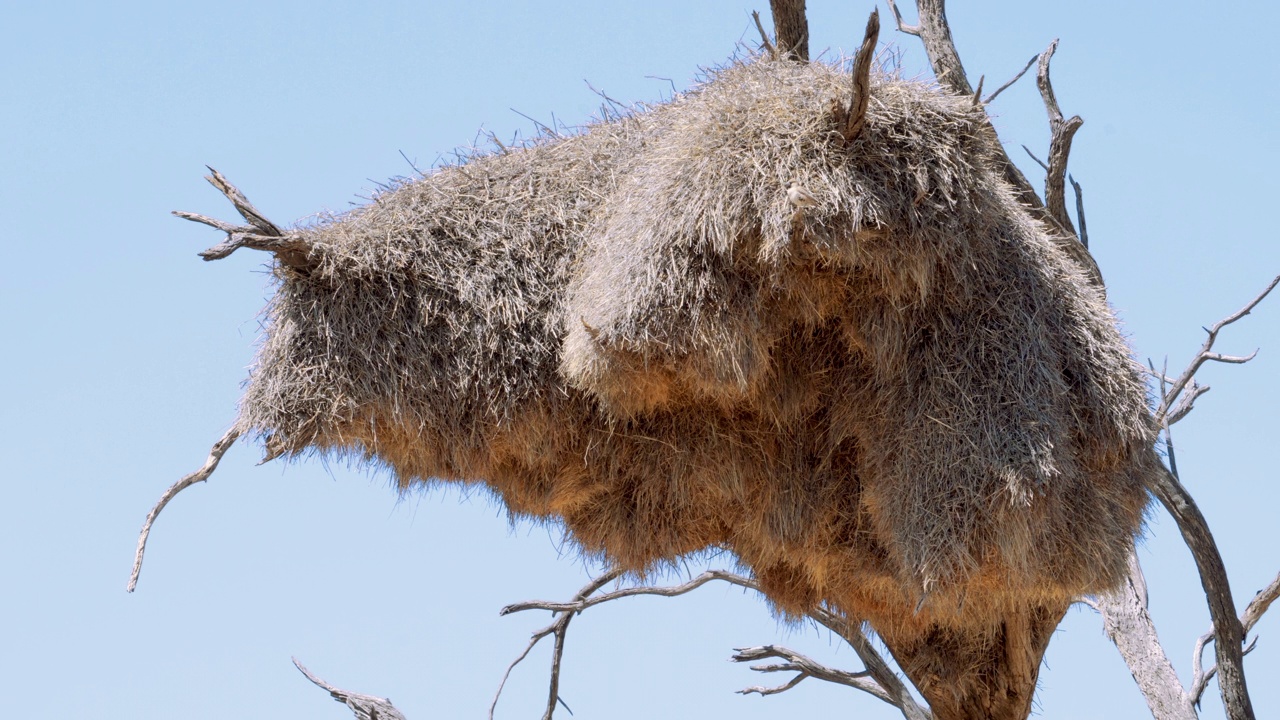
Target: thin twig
{"x": 215, "y": 456}
{"x": 895, "y": 691}
{"x": 579, "y": 605}
{"x": 1084, "y": 232}
{"x": 559, "y": 628}
{"x": 764, "y": 37}
{"x": 1033, "y": 157}
{"x": 1009, "y": 84}
{"x": 259, "y": 234}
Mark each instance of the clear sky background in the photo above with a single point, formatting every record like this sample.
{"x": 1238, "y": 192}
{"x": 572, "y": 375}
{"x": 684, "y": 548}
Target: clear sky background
{"x": 124, "y": 353}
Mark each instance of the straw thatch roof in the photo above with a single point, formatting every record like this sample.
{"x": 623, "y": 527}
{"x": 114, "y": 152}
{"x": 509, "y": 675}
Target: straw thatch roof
{"x": 902, "y": 399}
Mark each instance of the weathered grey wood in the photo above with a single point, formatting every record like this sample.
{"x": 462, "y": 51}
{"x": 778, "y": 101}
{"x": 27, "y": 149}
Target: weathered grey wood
{"x": 364, "y": 707}
{"x": 1128, "y": 624}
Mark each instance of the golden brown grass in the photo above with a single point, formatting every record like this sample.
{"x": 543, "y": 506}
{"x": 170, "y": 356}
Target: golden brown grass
{"x": 905, "y": 392}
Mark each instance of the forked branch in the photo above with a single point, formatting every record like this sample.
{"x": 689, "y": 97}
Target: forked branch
{"x": 259, "y": 234}
{"x": 878, "y": 679}
{"x": 1062, "y": 131}
{"x": 805, "y": 667}
{"x": 559, "y": 629}
{"x": 1163, "y": 412}
{"x": 1252, "y": 614}
{"x": 1228, "y": 630}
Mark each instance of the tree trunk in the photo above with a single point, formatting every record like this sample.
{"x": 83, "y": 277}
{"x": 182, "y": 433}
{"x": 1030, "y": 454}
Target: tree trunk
{"x": 979, "y": 675}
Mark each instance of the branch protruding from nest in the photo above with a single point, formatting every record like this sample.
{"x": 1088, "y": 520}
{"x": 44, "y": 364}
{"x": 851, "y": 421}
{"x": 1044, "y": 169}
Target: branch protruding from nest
{"x": 365, "y": 707}
{"x": 1063, "y": 130}
{"x": 215, "y": 456}
{"x": 764, "y": 37}
{"x": 791, "y": 28}
{"x": 259, "y": 234}
{"x": 856, "y": 116}
{"x": 1016, "y": 78}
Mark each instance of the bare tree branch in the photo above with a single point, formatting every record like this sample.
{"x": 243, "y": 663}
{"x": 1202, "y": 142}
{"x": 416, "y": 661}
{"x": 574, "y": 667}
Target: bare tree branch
{"x": 1033, "y": 157}
{"x": 259, "y": 234}
{"x": 1009, "y": 84}
{"x": 791, "y": 28}
{"x": 559, "y": 629}
{"x": 1252, "y": 614}
{"x": 1128, "y": 625}
{"x": 1217, "y": 589}
{"x": 580, "y": 604}
{"x": 365, "y": 707}
{"x": 807, "y": 667}
{"x": 215, "y": 456}
{"x": 875, "y": 663}
{"x": 902, "y": 25}
{"x": 764, "y": 37}
{"x": 856, "y": 116}
{"x": 1062, "y": 130}
{"x": 892, "y": 689}
{"x": 1206, "y": 355}
{"x": 935, "y": 35}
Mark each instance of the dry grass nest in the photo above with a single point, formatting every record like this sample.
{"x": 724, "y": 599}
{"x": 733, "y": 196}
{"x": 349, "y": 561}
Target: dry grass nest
{"x": 905, "y": 392}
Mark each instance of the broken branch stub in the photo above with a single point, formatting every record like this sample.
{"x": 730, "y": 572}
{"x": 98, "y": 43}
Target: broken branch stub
{"x": 857, "y": 113}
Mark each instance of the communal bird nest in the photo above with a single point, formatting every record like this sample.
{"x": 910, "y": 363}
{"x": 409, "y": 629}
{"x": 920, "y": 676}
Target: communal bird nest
{"x": 898, "y": 396}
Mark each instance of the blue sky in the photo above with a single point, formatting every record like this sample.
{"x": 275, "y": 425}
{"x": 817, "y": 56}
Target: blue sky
{"x": 126, "y": 352}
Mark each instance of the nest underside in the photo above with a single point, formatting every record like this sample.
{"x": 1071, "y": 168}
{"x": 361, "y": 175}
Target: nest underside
{"x": 907, "y": 393}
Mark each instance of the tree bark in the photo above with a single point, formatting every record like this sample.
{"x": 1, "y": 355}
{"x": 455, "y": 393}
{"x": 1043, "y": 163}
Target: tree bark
{"x": 791, "y": 27}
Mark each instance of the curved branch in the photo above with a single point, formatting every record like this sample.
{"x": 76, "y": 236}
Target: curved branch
{"x": 365, "y": 707}
{"x": 1217, "y": 589}
{"x": 1252, "y": 614}
{"x": 215, "y": 456}
{"x": 856, "y": 116}
{"x": 807, "y": 667}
